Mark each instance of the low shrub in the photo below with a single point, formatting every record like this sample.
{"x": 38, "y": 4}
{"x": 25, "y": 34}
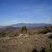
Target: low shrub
{"x": 50, "y": 37}
{"x": 2, "y": 34}
{"x": 34, "y": 50}
{"x": 13, "y": 35}
{"x": 44, "y": 31}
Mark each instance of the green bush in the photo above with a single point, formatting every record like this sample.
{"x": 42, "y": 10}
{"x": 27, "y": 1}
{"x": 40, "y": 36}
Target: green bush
{"x": 24, "y": 29}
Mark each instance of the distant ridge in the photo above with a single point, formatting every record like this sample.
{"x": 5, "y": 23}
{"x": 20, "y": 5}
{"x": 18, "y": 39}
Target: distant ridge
{"x": 31, "y": 25}
{"x": 28, "y": 25}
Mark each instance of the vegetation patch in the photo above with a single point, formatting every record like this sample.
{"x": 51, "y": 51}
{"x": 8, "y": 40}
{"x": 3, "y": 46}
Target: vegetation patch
{"x": 23, "y": 30}
{"x": 2, "y": 34}
{"x": 44, "y": 31}
{"x": 50, "y": 37}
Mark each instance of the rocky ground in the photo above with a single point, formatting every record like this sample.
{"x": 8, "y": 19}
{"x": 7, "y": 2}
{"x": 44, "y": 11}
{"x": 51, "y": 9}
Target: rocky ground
{"x": 24, "y": 43}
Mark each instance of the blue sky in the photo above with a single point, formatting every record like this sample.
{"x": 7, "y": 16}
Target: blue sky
{"x": 25, "y": 11}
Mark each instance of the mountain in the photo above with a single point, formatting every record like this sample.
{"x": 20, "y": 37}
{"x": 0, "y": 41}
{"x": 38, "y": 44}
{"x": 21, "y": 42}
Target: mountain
{"x": 29, "y": 25}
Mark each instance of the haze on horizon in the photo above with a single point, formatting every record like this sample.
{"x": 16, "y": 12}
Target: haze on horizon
{"x": 25, "y": 11}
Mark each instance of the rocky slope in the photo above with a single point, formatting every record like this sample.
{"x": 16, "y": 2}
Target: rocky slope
{"x": 24, "y": 43}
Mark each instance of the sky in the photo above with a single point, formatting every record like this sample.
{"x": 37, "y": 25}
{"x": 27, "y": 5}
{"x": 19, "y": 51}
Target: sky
{"x": 25, "y": 11}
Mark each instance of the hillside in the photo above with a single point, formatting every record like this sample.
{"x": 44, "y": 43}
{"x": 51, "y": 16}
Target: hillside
{"x": 24, "y": 43}
{"x": 12, "y": 40}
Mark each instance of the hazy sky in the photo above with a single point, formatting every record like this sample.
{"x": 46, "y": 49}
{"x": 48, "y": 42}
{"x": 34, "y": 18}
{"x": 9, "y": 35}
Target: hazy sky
{"x": 25, "y": 11}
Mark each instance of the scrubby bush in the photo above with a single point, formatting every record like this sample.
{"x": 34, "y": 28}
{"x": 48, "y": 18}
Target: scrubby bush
{"x": 16, "y": 34}
{"x": 2, "y": 34}
{"x": 24, "y": 29}
{"x": 34, "y": 50}
{"x": 44, "y": 31}
{"x": 43, "y": 50}
{"x": 13, "y": 35}
{"x": 50, "y": 37}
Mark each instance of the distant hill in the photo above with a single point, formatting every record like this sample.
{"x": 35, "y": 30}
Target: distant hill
{"x": 30, "y": 25}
